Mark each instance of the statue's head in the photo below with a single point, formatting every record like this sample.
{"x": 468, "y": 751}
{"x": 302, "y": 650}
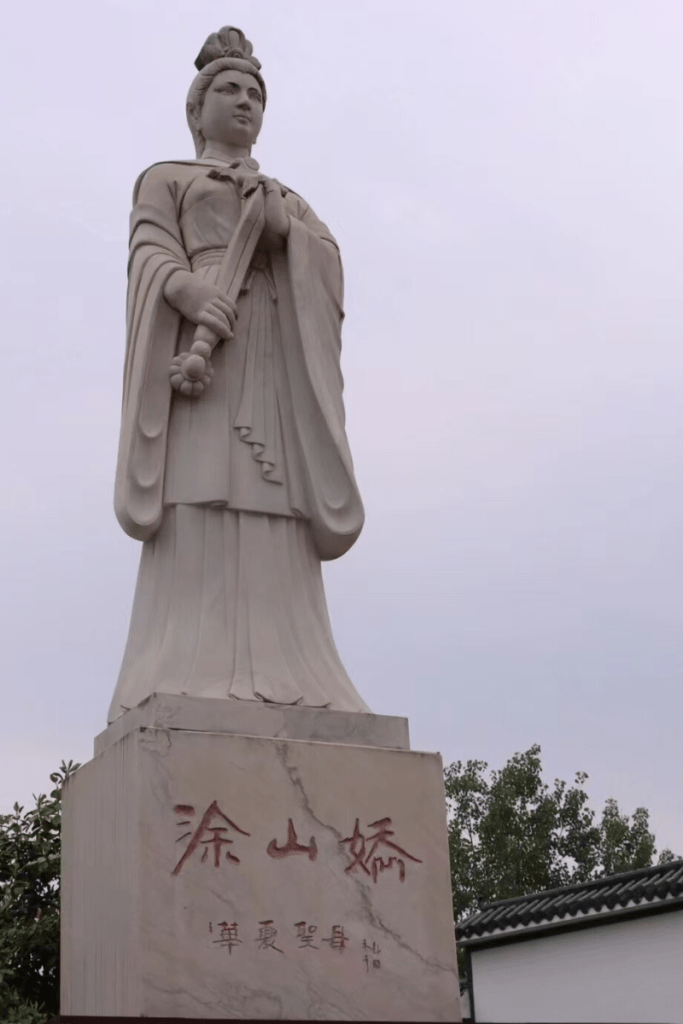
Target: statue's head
{"x": 227, "y": 98}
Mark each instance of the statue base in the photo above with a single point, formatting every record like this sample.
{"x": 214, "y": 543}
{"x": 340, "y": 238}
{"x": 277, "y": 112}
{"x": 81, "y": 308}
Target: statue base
{"x": 257, "y": 718}
{"x": 208, "y": 875}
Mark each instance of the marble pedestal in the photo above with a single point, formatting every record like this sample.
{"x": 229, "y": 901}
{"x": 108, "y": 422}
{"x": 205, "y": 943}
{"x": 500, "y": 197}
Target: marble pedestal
{"x": 217, "y": 876}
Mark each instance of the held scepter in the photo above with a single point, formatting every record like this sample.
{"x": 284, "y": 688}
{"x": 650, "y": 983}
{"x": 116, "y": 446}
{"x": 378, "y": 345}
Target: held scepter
{"x": 191, "y": 372}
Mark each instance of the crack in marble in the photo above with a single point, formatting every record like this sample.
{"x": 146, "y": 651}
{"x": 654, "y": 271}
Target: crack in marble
{"x": 150, "y": 739}
{"x": 282, "y": 748}
{"x": 369, "y": 912}
{"x": 377, "y": 922}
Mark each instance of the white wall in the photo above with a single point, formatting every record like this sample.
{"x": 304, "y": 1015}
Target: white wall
{"x": 630, "y": 972}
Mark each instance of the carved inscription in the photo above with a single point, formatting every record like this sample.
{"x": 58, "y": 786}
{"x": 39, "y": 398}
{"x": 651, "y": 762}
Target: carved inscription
{"x": 306, "y": 934}
{"x": 292, "y": 846}
{"x": 371, "y": 956}
{"x": 267, "y": 935}
{"x": 365, "y": 860}
{"x": 337, "y": 939}
{"x": 370, "y": 855}
{"x": 303, "y": 934}
{"x": 207, "y": 834}
{"x": 228, "y": 936}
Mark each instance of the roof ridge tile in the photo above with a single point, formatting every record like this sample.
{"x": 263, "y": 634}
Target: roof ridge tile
{"x": 650, "y": 885}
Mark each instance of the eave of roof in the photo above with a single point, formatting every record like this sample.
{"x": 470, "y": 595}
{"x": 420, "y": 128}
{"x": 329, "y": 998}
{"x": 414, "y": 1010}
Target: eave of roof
{"x": 632, "y": 893}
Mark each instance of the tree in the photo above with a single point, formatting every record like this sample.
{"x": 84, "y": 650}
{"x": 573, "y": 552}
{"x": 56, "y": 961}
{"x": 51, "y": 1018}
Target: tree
{"x": 512, "y": 834}
{"x": 29, "y": 907}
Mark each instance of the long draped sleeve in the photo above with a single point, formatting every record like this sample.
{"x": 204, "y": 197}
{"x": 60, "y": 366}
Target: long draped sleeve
{"x": 156, "y": 251}
{"x": 312, "y": 356}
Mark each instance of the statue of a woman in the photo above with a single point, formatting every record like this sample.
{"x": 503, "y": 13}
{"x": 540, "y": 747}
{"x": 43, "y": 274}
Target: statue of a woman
{"x": 240, "y": 481}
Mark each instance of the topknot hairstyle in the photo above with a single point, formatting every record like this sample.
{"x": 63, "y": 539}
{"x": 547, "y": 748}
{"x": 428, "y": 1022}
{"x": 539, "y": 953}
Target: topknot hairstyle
{"x": 227, "y": 42}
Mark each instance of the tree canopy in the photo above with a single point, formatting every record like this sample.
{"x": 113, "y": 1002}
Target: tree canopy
{"x": 511, "y": 834}
{"x": 29, "y": 907}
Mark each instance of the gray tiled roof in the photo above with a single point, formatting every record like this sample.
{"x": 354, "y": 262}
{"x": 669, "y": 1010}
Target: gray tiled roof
{"x": 646, "y": 887}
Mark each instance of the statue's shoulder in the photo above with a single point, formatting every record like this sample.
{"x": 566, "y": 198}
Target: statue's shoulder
{"x": 298, "y": 206}
{"x": 171, "y": 173}
{"x": 304, "y": 212}
{"x": 292, "y": 196}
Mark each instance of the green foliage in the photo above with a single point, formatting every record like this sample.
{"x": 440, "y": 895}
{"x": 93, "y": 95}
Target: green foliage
{"x": 29, "y": 907}
{"x": 16, "y": 1011}
{"x": 511, "y": 834}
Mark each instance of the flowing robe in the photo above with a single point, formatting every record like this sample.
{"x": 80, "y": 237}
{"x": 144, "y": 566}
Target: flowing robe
{"x": 240, "y": 493}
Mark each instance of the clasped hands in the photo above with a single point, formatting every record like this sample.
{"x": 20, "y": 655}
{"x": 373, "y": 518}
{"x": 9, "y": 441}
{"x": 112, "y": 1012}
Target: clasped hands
{"x": 276, "y": 227}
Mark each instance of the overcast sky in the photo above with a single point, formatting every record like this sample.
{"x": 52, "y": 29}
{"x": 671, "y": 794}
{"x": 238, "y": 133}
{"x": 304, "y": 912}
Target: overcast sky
{"x": 504, "y": 179}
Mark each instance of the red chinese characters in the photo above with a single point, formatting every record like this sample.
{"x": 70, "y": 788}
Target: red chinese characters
{"x": 365, "y": 860}
{"x": 337, "y": 939}
{"x": 292, "y": 845}
{"x": 228, "y": 936}
{"x": 305, "y": 934}
{"x": 267, "y": 935}
{"x": 207, "y": 834}
{"x": 370, "y": 855}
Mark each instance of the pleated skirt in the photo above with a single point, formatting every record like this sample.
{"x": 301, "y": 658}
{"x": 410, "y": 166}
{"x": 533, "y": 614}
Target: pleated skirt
{"x": 231, "y": 604}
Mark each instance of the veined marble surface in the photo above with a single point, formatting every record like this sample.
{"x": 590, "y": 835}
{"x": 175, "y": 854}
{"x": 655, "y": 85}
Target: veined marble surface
{"x": 215, "y": 876}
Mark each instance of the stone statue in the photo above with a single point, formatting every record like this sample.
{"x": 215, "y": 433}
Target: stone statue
{"x": 234, "y": 467}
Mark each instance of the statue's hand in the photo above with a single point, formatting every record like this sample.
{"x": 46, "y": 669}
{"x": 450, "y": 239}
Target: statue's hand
{"x": 201, "y": 303}
{"x": 276, "y": 227}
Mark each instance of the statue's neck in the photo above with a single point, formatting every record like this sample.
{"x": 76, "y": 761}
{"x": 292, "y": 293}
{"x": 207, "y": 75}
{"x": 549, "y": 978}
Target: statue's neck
{"x": 225, "y": 152}
{"x": 245, "y": 165}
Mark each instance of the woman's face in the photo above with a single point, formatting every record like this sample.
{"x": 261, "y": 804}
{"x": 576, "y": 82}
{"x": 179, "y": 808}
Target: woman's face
{"x": 233, "y": 109}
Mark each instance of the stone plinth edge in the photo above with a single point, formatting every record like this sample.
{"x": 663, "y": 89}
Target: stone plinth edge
{"x": 274, "y": 721}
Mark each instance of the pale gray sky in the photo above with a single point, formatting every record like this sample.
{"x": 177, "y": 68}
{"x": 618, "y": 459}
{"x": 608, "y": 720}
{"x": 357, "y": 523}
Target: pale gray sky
{"x": 504, "y": 179}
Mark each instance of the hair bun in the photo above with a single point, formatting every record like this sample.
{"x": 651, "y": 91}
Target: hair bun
{"x": 228, "y": 42}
